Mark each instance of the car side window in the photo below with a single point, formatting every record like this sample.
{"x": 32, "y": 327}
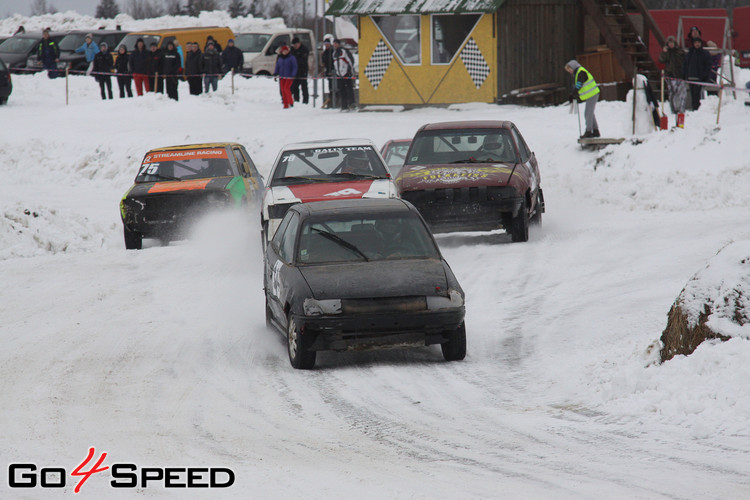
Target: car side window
{"x": 525, "y": 152}
{"x": 277, "y": 238}
{"x": 276, "y": 43}
{"x": 289, "y": 239}
{"x": 241, "y": 163}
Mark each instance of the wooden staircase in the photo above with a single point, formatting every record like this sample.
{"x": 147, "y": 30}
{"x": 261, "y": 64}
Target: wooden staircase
{"x": 615, "y": 24}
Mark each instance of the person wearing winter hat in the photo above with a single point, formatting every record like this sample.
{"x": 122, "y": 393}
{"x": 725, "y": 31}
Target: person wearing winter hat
{"x": 697, "y": 68}
{"x": 232, "y": 58}
{"x": 673, "y": 58}
{"x": 103, "y": 64}
{"x": 49, "y": 53}
{"x": 301, "y": 53}
{"x": 694, "y": 33}
{"x": 286, "y": 70}
{"x": 139, "y": 65}
{"x": 89, "y": 49}
{"x": 588, "y": 92}
{"x": 122, "y": 68}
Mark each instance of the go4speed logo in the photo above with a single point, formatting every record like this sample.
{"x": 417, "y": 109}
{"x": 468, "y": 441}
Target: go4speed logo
{"x": 123, "y": 475}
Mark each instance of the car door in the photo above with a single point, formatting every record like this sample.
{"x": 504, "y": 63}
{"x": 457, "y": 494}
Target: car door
{"x": 280, "y": 271}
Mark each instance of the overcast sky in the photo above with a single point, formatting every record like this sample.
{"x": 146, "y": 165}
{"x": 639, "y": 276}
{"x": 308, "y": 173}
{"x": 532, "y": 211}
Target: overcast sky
{"x": 9, "y": 7}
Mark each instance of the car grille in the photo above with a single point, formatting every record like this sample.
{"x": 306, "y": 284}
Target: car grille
{"x": 178, "y": 205}
{"x": 383, "y": 305}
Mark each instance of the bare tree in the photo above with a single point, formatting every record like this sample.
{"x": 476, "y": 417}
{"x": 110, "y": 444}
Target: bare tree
{"x": 174, "y": 8}
{"x": 144, "y": 9}
{"x": 195, "y": 7}
{"x": 107, "y": 9}
{"x": 39, "y": 7}
{"x": 237, "y": 8}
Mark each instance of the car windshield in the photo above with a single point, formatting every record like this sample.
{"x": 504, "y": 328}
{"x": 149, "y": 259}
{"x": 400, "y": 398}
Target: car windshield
{"x": 328, "y": 164}
{"x": 462, "y": 146}
{"x": 18, "y": 45}
{"x": 360, "y": 239}
{"x": 130, "y": 40}
{"x": 184, "y": 164}
{"x": 251, "y": 42}
{"x": 72, "y": 41}
{"x": 395, "y": 156}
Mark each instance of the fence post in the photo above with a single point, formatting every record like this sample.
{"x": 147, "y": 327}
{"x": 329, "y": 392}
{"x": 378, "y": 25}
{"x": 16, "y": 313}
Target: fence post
{"x": 232, "y": 81}
{"x": 718, "y": 111}
{"x": 67, "y": 69}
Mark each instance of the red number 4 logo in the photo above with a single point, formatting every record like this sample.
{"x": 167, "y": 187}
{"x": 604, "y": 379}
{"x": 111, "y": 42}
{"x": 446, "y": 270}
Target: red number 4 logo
{"x": 87, "y": 474}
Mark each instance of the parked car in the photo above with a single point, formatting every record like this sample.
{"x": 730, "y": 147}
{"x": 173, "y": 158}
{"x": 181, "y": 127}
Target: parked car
{"x": 394, "y": 154}
{"x": 69, "y": 58}
{"x": 473, "y": 176}
{"x": 15, "y": 51}
{"x": 259, "y": 48}
{"x": 175, "y": 185}
{"x": 6, "y": 84}
{"x": 323, "y": 170}
{"x": 360, "y": 274}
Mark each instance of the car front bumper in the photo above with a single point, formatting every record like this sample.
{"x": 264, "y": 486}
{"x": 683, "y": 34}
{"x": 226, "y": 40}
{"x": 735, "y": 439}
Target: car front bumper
{"x": 380, "y": 330}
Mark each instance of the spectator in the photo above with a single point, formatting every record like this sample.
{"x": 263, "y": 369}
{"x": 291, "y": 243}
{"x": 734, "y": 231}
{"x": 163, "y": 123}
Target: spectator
{"x": 194, "y": 68}
{"x": 179, "y": 51}
{"x": 588, "y": 92}
{"x": 210, "y": 39}
{"x": 286, "y": 70}
{"x": 716, "y": 57}
{"x": 139, "y": 64}
{"x": 103, "y": 65}
{"x": 155, "y": 59}
{"x": 49, "y": 53}
{"x": 673, "y": 58}
{"x": 692, "y": 35}
{"x": 172, "y": 69}
{"x": 343, "y": 68}
{"x": 89, "y": 49}
{"x": 123, "y": 72}
{"x": 697, "y": 68}
{"x": 232, "y": 58}
{"x": 326, "y": 65}
{"x": 300, "y": 53}
{"x": 211, "y": 67}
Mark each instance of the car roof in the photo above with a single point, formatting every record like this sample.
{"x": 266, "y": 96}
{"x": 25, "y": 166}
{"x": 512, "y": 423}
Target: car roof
{"x": 176, "y": 30}
{"x": 273, "y": 31}
{"x": 363, "y": 206}
{"x": 38, "y": 34}
{"x": 329, "y": 143}
{"x": 97, "y": 32}
{"x": 193, "y": 146}
{"x": 468, "y": 124}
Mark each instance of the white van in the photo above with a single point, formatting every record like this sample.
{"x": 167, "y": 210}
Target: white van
{"x": 259, "y": 48}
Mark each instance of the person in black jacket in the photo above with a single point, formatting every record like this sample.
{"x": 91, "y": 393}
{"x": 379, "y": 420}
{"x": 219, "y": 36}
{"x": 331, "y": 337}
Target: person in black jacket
{"x": 326, "y": 67}
{"x": 49, "y": 54}
{"x": 210, "y": 39}
{"x": 123, "y": 72}
{"x": 697, "y": 68}
{"x": 171, "y": 68}
{"x": 211, "y": 67}
{"x": 232, "y": 58}
{"x": 194, "y": 68}
{"x": 103, "y": 64}
{"x": 139, "y": 64}
{"x": 156, "y": 59}
{"x": 300, "y": 52}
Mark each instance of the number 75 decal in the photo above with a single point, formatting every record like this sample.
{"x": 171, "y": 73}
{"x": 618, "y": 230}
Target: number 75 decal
{"x": 149, "y": 169}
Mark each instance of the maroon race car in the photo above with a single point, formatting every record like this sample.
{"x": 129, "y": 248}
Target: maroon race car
{"x": 394, "y": 154}
{"x": 473, "y": 176}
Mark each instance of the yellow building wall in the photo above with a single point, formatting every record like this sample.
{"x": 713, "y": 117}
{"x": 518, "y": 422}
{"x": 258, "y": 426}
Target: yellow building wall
{"x": 426, "y": 83}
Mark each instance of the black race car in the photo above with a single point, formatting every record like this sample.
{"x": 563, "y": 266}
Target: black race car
{"x": 360, "y": 274}
{"x": 177, "y": 184}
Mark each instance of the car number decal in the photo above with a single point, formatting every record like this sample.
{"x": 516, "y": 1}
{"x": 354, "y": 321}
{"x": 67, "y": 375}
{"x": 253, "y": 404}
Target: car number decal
{"x": 345, "y": 192}
{"x": 276, "y": 279}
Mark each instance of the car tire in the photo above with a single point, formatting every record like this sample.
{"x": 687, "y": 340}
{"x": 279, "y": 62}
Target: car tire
{"x": 297, "y": 345}
{"x": 536, "y": 219}
{"x": 519, "y": 226}
{"x": 455, "y": 348}
{"x": 3, "y": 100}
{"x": 133, "y": 239}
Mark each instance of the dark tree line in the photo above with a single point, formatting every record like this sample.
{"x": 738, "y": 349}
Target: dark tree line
{"x": 145, "y": 9}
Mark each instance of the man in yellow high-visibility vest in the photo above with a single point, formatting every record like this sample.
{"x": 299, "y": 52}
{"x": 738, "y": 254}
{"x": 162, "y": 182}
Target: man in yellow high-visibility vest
{"x": 588, "y": 92}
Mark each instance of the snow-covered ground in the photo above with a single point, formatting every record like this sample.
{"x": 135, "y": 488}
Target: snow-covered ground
{"x": 161, "y": 357}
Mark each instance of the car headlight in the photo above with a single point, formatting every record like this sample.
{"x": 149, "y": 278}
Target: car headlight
{"x": 315, "y": 307}
{"x": 452, "y": 301}
{"x": 217, "y": 199}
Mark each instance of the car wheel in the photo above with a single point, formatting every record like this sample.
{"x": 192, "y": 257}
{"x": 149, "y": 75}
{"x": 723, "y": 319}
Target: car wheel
{"x": 519, "y": 226}
{"x": 455, "y": 348}
{"x": 133, "y": 239}
{"x": 537, "y": 217}
{"x": 299, "y": 356}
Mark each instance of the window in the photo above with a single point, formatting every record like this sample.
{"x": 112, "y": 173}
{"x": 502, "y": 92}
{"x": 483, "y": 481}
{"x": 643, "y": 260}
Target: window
{"x": 448, "y": 34}
{"x": 402, "y": 33}
{"x": 522, "y": 147}
{"x": 276, "y": 43}
{"x": 328, "y": 164}
{"x": 462, "y": 146}
{"x": 241, "y": 163}
{"x": 286, "y": 252}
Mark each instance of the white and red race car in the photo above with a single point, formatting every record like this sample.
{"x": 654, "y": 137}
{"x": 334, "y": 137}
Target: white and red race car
{"x": 323, "y": 170}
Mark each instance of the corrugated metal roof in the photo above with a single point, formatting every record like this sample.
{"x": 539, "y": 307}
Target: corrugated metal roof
{"x": 364, "y": 7}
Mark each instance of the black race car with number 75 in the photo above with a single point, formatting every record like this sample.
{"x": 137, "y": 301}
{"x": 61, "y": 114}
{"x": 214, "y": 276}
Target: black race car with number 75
{"x": 360, "y": 274}
{"x": 178, "y": 184}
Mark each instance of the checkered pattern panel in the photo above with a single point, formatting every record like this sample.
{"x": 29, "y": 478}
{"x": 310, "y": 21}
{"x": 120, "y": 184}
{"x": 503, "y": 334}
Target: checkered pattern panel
{"x": 475, "y": 63}
{"x": 378, "y": 64}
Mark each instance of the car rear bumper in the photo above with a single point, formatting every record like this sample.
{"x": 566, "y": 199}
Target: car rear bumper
{"x": 481, "y": 208}
{"x": 377, "y": 331}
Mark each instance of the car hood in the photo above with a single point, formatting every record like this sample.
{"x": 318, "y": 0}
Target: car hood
{"x": 454, "y": 175}
{"x": 387, "y": 278}
{"x": 321, "y": 191}
{"x": 171, "y": 187}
